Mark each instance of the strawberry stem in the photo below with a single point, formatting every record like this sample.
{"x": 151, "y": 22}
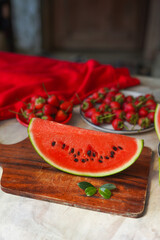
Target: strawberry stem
{"x": 45, "y": 89}
{"x": 15, "y": 112}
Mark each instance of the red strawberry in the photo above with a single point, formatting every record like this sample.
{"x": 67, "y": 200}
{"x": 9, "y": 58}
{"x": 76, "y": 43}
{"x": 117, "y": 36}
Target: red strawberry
{"x": 103, "y": 90}
{"x": 60, "y": 116}
{"x": 119, "y": 97}
{"x": 26, "y": 112}
{"x": 53, "y": 100}
{"x": 129, "y": 99}
{"x": 67, "y": 106}
{"x": 103, "y": 107}
{"x": 49, "y": 109}
{"x": 86, "y": 105}
{"x": 151, "y": 116}
{"x": 115, "y": 105}
{"x": 39, "y": 102}
{"x": 119, "y": 113}
{"x": 39, "y": 113}
{"x": 112, "y": 94}
{"x": 144, "y": 122}
{"x": 108, "y": 117}
{"x": 32, "y": 115}
{"x": 108, "y": 99}
{"x": 33, "y": 99}
{"x": 89, "y": 112}
{"x": 149, "y": 96}
{"x": 129, "y": 107}
{"x": 96, "y": 118}
{"x": 118, "y": 124}
{"x": 143, "y": 112}
{"x": 132, "y": 117}
{"x": 98, "y": 97}
{"x": 47, "y": 117}
{"x": 151, "y": 104}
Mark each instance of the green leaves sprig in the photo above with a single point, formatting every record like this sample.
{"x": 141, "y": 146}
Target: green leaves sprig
{"x": 104, "y": 190}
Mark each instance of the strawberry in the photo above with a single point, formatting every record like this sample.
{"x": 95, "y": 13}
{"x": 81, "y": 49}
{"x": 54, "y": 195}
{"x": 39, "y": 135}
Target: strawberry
{"x": 103, "y": 90}
{"x": 98, "y": 97}
{"x": 115, "y": 105}
{"x": 108, "y": 99}
{"x": 129, "y": 107}
{"x": 47, "y": 117}
{"x": 89, "y": 112}
{"x": 39, "y": 102}
{"x": 119, "y": 113}
{"x": 151, "y": 104}
{"x": 103, "y": 107}
{"x": 118, "y": 124}
{"x": 96, "y": 118}
{"x": 129, "y": 99}
{"x": 60, "y": 116}
{"x": 86, "y": 105}
{"x": 132, "y": 117}
{"x": 53, "y": 100}
{"x": 32, "y": 115}
{"x": 144, "y": 122}
{"x": 49, "y": 109}
{"x": 119, "y": 97}
{"x": 149, "y": 96}
{"x": 67, "y": 106}
{"x": 108, "y": 117}
{"x": 143, "y": 112}
{"x": 151, "y": 116}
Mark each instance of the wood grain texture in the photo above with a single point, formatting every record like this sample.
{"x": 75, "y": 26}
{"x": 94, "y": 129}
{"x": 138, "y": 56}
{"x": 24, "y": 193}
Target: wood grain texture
{"x": 25, "y": 173}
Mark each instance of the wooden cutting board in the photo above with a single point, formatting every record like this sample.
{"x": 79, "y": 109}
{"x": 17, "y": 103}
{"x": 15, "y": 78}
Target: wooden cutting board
{"x": 25, "y": 173}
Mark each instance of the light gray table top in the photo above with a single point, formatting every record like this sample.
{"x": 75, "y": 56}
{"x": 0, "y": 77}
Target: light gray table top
{"x": 28, "y": 219}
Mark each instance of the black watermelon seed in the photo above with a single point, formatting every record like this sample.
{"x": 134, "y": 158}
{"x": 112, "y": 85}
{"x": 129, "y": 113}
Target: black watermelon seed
{"x": 100, "y": 161}
{"x": 112, "y": 155}
{"x": 120, "y": 147}
{"x": 76, "y": 159}
{"x": 53, "y": 143}
{"x": 63, "y": 146}
{"x": 89, "y": 153}
{"x": 83, "y": 160}
{"x": 106, "y": 157}
{"x": 74, "y": 155}
{"x": 86, "y": 159}
{"x": 78, "y": 153}
{"x": 93, "y": 154}
{"x": 72, "y": 150}
{"x": 92, "y": 159}
{"x": 114, "y": 148}
{"x": 101, "y": 157}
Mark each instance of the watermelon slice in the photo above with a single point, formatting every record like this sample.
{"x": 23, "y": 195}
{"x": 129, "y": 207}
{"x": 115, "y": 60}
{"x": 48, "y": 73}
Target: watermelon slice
{"x": 83, "y": 152}
{"x": 157, "y": 128}
{"x": 157, "y": 120}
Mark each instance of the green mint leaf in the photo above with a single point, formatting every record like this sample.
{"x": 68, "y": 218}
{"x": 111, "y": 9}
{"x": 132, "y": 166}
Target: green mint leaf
{"x": 109, "y": 186}
{"x": 84, "y": 185}
{"x": 90, "y": 191}
{"x": 105, "y": 193}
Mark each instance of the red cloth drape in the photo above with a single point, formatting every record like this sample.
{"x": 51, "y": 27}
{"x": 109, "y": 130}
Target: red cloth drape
{"x": 22, "y": 76}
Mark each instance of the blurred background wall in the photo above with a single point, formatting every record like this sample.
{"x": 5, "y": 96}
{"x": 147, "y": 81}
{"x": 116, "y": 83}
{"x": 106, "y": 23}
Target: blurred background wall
{"x": 121, "y": 33}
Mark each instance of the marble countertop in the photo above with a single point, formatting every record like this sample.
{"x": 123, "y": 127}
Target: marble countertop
{"x": 29, "y": 219}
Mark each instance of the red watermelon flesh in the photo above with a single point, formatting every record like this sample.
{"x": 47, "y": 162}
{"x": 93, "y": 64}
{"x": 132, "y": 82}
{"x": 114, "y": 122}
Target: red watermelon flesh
{"x": 83, "y": 152}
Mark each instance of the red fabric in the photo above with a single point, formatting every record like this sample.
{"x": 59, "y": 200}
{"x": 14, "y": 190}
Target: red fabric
{"x": 22, "y": 76}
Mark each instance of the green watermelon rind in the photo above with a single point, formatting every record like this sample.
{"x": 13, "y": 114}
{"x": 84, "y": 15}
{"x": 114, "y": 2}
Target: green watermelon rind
{"x": 140, "y": 144}
{"x": 156, "y": 120}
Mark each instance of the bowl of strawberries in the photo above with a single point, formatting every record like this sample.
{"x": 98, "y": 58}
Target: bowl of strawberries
{"x": 120, "y": 111}
{"x": 50, "y": 108}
